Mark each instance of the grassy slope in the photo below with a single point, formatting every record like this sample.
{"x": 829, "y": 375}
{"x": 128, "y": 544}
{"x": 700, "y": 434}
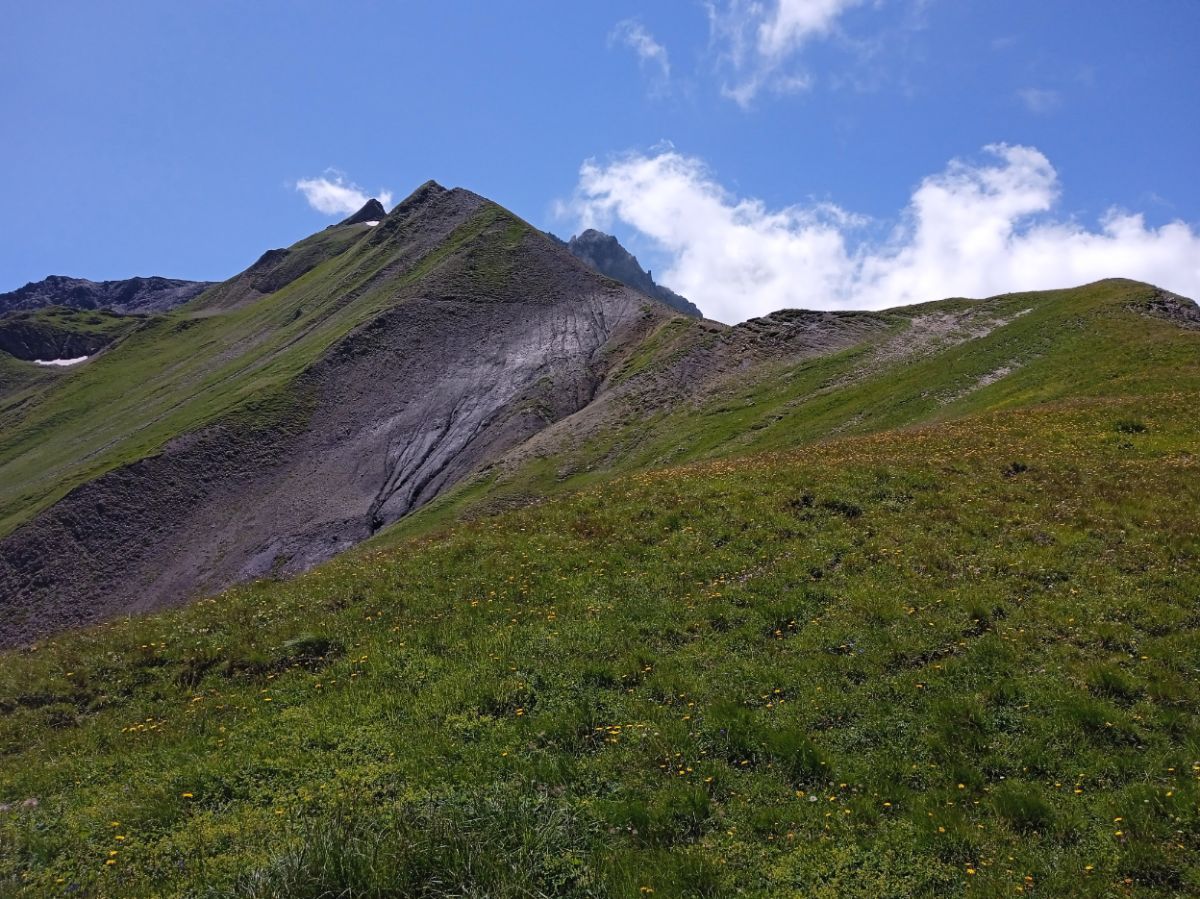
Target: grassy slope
{"x": 951, "y": 658}
{"x": 18, "y": 380}
{"x": 191, "y": 367}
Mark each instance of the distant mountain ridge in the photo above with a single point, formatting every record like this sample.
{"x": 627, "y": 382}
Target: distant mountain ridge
{"x": 149, "y": 294}
{"x": 604, "y": 253}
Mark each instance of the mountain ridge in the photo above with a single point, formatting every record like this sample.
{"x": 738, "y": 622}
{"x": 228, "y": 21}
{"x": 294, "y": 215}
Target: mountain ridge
{"x": 441, "y": 357}
{"x": 138, "y": 294}
{"x": 405, "y": 381}
{"x": 604, "y": 253}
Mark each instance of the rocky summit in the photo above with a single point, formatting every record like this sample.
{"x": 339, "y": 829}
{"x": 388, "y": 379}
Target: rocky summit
{"x": 408, "y": 355}
{"x": 604, "y": 253}
{"x": 372, "y": 211}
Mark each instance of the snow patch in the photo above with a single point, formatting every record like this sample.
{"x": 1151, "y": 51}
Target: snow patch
{"x": 371, "y": 224}
{"x": 74, "y": 361}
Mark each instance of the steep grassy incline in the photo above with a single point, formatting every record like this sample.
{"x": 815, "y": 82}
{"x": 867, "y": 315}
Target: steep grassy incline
{"x": 952, "y": 659}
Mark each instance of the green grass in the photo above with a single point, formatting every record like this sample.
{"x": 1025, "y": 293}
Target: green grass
{"x": 887, "y": 665}
{"x": 843, "y": 629}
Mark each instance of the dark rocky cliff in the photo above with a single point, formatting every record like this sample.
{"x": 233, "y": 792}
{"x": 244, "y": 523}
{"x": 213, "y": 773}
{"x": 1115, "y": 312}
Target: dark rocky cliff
{"x": 604, "y": 253}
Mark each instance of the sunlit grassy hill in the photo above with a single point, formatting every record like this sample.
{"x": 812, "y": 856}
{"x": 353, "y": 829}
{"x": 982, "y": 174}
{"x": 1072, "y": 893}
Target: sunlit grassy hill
{"x": 897, "y": 621}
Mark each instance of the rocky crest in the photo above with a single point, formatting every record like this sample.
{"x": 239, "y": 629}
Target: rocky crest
{"x": 372, "y": 211}
{"x": 151, "y": 294}
{"x": 1172, "y": 308}
{"x": 604, "y": 253}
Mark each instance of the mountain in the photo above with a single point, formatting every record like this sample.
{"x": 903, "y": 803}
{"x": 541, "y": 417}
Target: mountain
{"x": 606, "y": 255}
{"x": 130, "y": 295}
{"x": 624, "y": 602}
{"x": 298, "y": 408}
{"x": 388, "y": 363}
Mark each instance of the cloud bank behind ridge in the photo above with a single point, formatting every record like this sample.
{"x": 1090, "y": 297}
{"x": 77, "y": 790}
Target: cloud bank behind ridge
{"x": 975, "y": 229}
{"x": 333, "y": 194}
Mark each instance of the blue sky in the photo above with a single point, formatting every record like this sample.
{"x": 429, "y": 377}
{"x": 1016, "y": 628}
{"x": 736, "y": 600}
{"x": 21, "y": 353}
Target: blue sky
{"x": 821, "y": 153}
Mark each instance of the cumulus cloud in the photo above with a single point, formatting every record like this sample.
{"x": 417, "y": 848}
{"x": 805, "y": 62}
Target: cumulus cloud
{"x": 758, "y": 41}
{"x": 974, "y": 229}
{"x": 333, "y": 194}
{"x": 633, "y": 34}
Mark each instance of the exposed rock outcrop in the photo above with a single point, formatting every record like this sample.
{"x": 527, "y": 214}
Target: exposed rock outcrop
{"x": 372, "y": 211}
{"x": 1173, "y": 308}
{"x": 604, "y": 253}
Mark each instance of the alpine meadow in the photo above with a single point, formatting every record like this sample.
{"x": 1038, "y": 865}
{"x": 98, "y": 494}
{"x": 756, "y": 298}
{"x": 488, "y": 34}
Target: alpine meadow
{"x": 432, "y": 555}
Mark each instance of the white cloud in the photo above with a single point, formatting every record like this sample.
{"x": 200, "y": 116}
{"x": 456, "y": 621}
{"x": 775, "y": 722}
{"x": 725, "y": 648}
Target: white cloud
{"x": 758, "y": 39}
{"x": 793, "y": 22}
{"x": 633, "y": 34}
{"x": 974, "y": 229}
{"x": 1040, "y": 100}
{"x": 332, "y": 194}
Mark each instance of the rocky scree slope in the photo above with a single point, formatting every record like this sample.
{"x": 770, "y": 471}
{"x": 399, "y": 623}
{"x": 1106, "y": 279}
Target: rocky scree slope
{"x": 417, "y": 349}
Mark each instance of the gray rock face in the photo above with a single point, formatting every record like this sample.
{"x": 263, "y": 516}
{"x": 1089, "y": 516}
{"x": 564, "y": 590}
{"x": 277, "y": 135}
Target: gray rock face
{"x": 152, "y": 294}
{"x": 604, "y": 253}
{"x": 1173, "y": 308}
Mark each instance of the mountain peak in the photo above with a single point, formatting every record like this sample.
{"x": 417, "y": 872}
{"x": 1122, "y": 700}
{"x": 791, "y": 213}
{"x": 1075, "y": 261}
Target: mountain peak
{"x": 604, "y": 253}
{"x": 372, "y": 211}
